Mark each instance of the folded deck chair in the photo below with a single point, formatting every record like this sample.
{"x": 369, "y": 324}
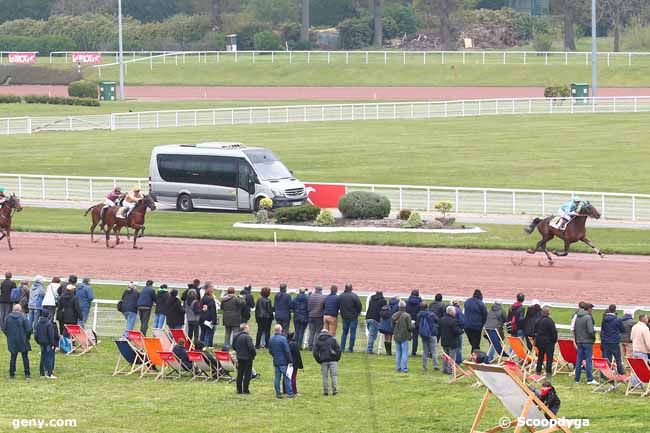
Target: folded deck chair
{"x": 226, "y": 365}
{"x": 177, "y": 334}
{"x": 153, "y": 362}
{"x": 202, "y": 367}
{"x": 569, "y": 354}
{"x": 81, "y": 342}
{"x": 514, "y": 367}
{"x": 640, "y": 377}
{"x": 612, "y": 378}
{"x": 172, "y": 366}
{"x": 526, "y": 361}
{"x": 128, "y": 355}
{"x": 165, "y": 340}
{"x": 457, "y": 372}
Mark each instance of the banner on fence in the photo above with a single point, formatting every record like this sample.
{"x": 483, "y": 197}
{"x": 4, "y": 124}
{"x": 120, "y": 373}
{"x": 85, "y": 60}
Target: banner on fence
{"x": 324, "y": 195}
{"x": 19, "y": 57}
{"x": 91, "y": 57}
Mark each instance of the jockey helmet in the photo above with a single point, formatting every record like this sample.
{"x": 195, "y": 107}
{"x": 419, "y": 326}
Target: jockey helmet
{"x": 118, "y": 188}
{"x": 2, "y": 188}
{"x": 136, "y": 189}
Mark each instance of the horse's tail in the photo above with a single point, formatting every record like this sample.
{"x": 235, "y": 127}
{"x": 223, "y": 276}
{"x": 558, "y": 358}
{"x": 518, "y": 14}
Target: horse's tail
{"x": 89, "y": 209}
{"x": 531, "y": 227}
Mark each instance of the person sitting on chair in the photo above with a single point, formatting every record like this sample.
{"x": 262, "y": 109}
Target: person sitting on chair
{"x": 181, "y": 353}
{"x": 568, "y": 210}
{"x": 130, "y": 200}
{"x": 112, "y": 198}
{"x": 548, "y": 395}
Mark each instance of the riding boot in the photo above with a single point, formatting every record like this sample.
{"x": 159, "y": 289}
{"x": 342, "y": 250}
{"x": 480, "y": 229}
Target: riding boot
{"x": 388, "y": 345}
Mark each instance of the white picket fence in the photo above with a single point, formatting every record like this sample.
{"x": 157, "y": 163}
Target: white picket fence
{"x": 325, "y": 113}
{"x": 485, "y": 201}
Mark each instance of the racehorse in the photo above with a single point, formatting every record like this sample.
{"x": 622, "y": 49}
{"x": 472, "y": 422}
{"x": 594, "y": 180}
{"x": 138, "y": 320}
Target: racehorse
{"x": 7, "y": 211}
{"x": 135, "y": 220}
{"x": 97, "y": 218}
{"x": 574, "y": 231}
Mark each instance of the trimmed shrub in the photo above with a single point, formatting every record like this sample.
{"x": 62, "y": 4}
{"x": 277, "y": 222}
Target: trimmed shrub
{"x": 267, "y": 41}
{"x": 10, "y": 99}
{"x": 307, "y": 212}
{"x": 404, "y": 214}
{"x": 557, "y": 92}
{"x": 364, "y": 205}
{"x": 83, "y": 89}
{"x": 414, "y": 221}
{"x": 266, "y": 203}
{"x": 59, "y": 100}
{"x": 444, "y": 207}
{"x": 324, "y": 218}
{"x": 262, "y": 216}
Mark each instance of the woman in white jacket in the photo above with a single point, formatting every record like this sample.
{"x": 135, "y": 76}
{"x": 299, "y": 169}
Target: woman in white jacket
{"x": 51, "y": 295}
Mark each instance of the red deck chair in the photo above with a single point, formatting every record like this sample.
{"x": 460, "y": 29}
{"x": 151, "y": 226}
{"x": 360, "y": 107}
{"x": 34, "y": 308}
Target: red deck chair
{"x": 177, "y": 334}
{"x": 165, "y": 340}
{"x": 202, "y": 367}
{"x": 641, "y": 370}
{"x": 612, "y": 378}
{"x": 517, "y": 345}
{"x": 514, "y": 367}
{"x": 172, "y": 366}
{"x": 226, "y": 365}
{"x": 80, "y": 340}
{"x": 569, "y": 354}
{"x": 136, "y": 338}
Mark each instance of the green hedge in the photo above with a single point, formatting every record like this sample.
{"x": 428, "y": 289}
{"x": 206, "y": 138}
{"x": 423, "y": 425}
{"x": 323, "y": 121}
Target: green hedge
{"x": 305, "y": 212}
{"x": 83, "y": 89}
{"x": 60, "y": 100}
{"x": 364, "y": 205}
{"x": 10, "y": 99}
{"x": 43, "y": 44}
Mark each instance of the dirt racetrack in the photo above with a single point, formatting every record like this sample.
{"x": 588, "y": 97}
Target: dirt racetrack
{"x": 620, "y": 279}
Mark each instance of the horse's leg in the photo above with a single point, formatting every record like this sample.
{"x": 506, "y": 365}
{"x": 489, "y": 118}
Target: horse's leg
{"x": 593, "y": 247}
{"x": 142, "y": 232}
{"x": 116, "y": 231}
{"x": 9, "y": 239}
{"x": 135, "y": 238}
{"x": 108, "y": 236}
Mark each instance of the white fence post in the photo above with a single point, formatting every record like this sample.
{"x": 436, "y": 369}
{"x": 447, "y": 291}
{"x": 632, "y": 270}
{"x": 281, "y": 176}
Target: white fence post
{"x": 95, "y": 314}
{"x": 485, "y": 202}
{"x": 633, "y": 208}
{"x": 514, "y": 202}
{"x": 42, "y": 187}
{"x": 90, "y": 188}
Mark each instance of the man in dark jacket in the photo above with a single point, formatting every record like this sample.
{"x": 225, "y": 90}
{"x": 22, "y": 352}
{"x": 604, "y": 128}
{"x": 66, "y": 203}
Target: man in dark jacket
{"x": 248, "y": 304}
{"x": 6, "y": 287}
{"x": 585, "y": 337}
{"x": 449, "y": 330}
{"x": 130, "y": 306}
{"x": 626, "y": 342}
{"x": 517, "y": 316}
{"x": 174, "y": 311}
{"x": 69, "y": 310}
{"x": 47, "y": 337}
{"x": 533, "y": 314}
{"x": 327, "y": 353}
{"x": 162, "y": 298}
{"x": 545, "y": 333}
{"x": 373, "y": 318}
{"x": 243, "y": 345}
{"x": 231, "y": 305}
{"x": 263, "y": 317}
{"x": 145, "y": 304}
{"x": 350, "y": 306}
{"x": 181, "y": 353}
{"x": 315, "y": 304}
{"x": 413, "y": 308}
{"x": 437, "y": 306}
{"x": 279, "y": 350}
{"x": 18, "y": 330}
{"x": 611, "y": 330}
{"x": 300, "y": 309}
{"x": 475, "y": 317}
{"x": 282, "y": 308}
{"x": 331, "y": 310}
{"x": 207, "y": 317}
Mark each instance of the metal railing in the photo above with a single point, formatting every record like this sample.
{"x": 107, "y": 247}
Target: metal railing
{"x": 485, "y": 201}
{"x": 326, "y": 113}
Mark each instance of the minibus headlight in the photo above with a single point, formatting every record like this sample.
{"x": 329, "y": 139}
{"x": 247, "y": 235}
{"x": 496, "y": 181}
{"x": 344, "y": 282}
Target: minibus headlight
{"x": 278, "y": 192}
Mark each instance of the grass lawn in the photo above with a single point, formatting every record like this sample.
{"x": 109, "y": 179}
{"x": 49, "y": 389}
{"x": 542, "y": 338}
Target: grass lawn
{"x": 611, "y": 151}
{"x": 219, "y": 226}
{"x": 414, "y": 73}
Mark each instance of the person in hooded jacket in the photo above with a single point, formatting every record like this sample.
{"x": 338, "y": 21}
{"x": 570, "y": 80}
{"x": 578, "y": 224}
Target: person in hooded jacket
{"x": 47, "y": 337}
{"x": 263, "y": 317}
{"x": 585, "y": 336}
{"x": 327, "y": 353}
{"x": 475, "y": 317}
{"x": 86, "y": 297}
{"x": 517, "y": 316}
{"x": 300, "y": 311}
{"x": 18, "y": 330}
{"x": 162, "y": 298}
{"x": 626, "y": 342}
{"x": 386, "y": 323}
{"x": 231, "y": 305}
{"x": 192, "y": 314}
{"x": 146, "y": 299}
{"x": 413, "y": 308}
{"x": 36, "y": 295}
{"x": 175, "y": 312}
{"x": 68, "y": 311}
{"x": 438, "y": 307}
{"x": 373, "y": 317}
{"x": 315, "y": 305}
{"x": 496, "y": 318}
{"x": 282, "y": 308}
{"x": 533, "y": 314}
{"x": 130, "y": 306}
{"x": 23, "y": 296}
{"x": 350, "y": 307}
{"x": 248, "y": 304}
{"x": 611, "y": 330}
{"x": 545, "y": 340}
{"x": 51, "y": 296}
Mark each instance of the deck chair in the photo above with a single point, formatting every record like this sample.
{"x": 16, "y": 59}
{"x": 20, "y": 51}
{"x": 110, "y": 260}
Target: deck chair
{"x": 498, "y": 357}
{"x": 457, "y": 372}
{"x": 136, "y": 338}
{"x": 167, "y": 342}
{"x": 177, "y": 334}
{"x": 81, "y": 342}
{"x": 134, "y": 360}
{"x": 526, "y": 361}
{"x": 612, "y": 378}
{"x": 153, "y": 360}
{"x": 226, "y": 365}
{"x": 172, "y": 366}
{"x": 597, "y": 351}
{"x": 641, "y": 370}
{"x": 569, "y": 355}
{"x": 202, "y": 367}
{"x": 514, "y": 367}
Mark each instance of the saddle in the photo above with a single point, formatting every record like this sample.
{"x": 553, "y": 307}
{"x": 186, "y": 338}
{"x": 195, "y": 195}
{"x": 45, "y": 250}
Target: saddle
{"x": 558, "y": 223}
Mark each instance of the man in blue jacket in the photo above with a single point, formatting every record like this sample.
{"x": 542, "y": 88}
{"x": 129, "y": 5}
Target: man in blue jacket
{"x": 300, "y": 315}
{"x": 282, "y": 307}
{"x": 460, "y": 319}
{"x": 475, "y": 317}
{"x": 18, "y": 330}
{"x": 145, "y": 304}
{"x": 331, "y": 310}
{"x": 86, "y": 296}
{"x": 611, "y": 329}
{"x": 279, "y": 350}
{"x": 413, "y": 308}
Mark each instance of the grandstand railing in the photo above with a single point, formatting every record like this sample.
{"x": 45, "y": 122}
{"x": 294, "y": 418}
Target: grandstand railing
{"x": 326, "y": 113}
{"x": 485, "y": 201}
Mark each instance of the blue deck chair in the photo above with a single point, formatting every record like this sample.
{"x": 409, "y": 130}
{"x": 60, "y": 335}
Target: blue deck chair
{"x": 129, "y": 356}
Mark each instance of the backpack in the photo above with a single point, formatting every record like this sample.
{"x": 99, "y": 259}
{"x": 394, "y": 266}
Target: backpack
{"x": 15, "y": 295}
{"x": 425, "y": 326}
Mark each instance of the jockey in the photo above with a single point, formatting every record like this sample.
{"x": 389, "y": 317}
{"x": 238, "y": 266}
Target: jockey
{"x": 131, "y": 199}
{"x": 569, "y": 209}
{"x": 113, "y": 197}
{"x": 3, "y": 197}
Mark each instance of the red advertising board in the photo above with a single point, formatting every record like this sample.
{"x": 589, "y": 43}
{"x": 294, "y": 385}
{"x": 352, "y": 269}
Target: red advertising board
{"x": 91, "y": 57}
{"x": 325, "y": 195}
{"x": 22, "y": 57}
